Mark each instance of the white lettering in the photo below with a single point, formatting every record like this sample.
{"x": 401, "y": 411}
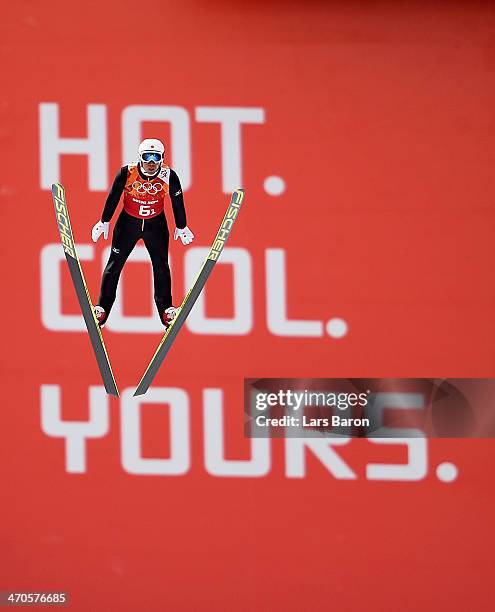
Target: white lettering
{"x": 242, "y": 321}
{"x": 51, "y": 298}
{"x": 416, "y": 467}
{"x": 75, "y": 433}
{"x": 94, "y": 146}
{"x": 230, "y": 119}
{"x": 276, "y": 296}
{"x": 216, "y": 464}
{"x": 130, "y": 418}
{"x": 295, "y": 457}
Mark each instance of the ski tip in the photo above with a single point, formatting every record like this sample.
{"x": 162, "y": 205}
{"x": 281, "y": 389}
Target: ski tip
{"x": 237, "y": 196}
{"x": 138, "y": 392}
{"x": 58, "y": 190}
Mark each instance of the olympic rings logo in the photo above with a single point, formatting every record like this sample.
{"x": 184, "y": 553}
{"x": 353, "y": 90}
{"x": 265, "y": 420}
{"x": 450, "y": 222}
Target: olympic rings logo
{"x": 147, "y": 187}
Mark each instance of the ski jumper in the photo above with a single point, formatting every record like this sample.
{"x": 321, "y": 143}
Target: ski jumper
{"x": 142, "y": 218}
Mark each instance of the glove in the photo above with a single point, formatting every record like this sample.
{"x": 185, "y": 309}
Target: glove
{"x": 99, "y": 229}
{"x": 184, "y": 234}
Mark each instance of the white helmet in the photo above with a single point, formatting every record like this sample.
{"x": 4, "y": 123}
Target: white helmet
{"x": 151, "y": 145}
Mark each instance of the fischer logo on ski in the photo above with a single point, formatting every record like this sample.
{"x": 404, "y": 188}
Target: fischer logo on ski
{"x": 63, "y": 220}
{"x": 67, "y": 238}
{"x": 227, "y": 223}
{"x": 193, "y": 293}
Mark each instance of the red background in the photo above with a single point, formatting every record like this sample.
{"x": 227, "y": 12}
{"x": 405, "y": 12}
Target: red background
{"x": 380, "y": 118}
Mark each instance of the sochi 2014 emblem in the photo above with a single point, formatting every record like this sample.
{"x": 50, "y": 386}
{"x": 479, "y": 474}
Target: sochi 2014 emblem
{"x": 147, "y": 187}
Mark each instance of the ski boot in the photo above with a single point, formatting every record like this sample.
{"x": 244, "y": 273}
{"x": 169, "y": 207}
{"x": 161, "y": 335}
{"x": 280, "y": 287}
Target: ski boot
{"x": 168, "y": 316}
{"x": 101, "y": 315}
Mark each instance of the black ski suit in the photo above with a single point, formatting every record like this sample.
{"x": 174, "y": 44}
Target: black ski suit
{"x": 154, "y": 233}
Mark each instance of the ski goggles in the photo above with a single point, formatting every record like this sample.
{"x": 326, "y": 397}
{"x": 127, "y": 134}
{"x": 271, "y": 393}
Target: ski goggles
{"x": 151, "y": 156}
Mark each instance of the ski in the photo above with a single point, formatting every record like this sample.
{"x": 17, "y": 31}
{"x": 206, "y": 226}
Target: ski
{"x": 67, "y": 238}
{"x": 193, "y": 293}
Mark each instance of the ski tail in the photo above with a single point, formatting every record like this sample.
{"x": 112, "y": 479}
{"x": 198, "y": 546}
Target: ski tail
{"x": 193, "y": 293}
{"x": 94, "y": 331}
